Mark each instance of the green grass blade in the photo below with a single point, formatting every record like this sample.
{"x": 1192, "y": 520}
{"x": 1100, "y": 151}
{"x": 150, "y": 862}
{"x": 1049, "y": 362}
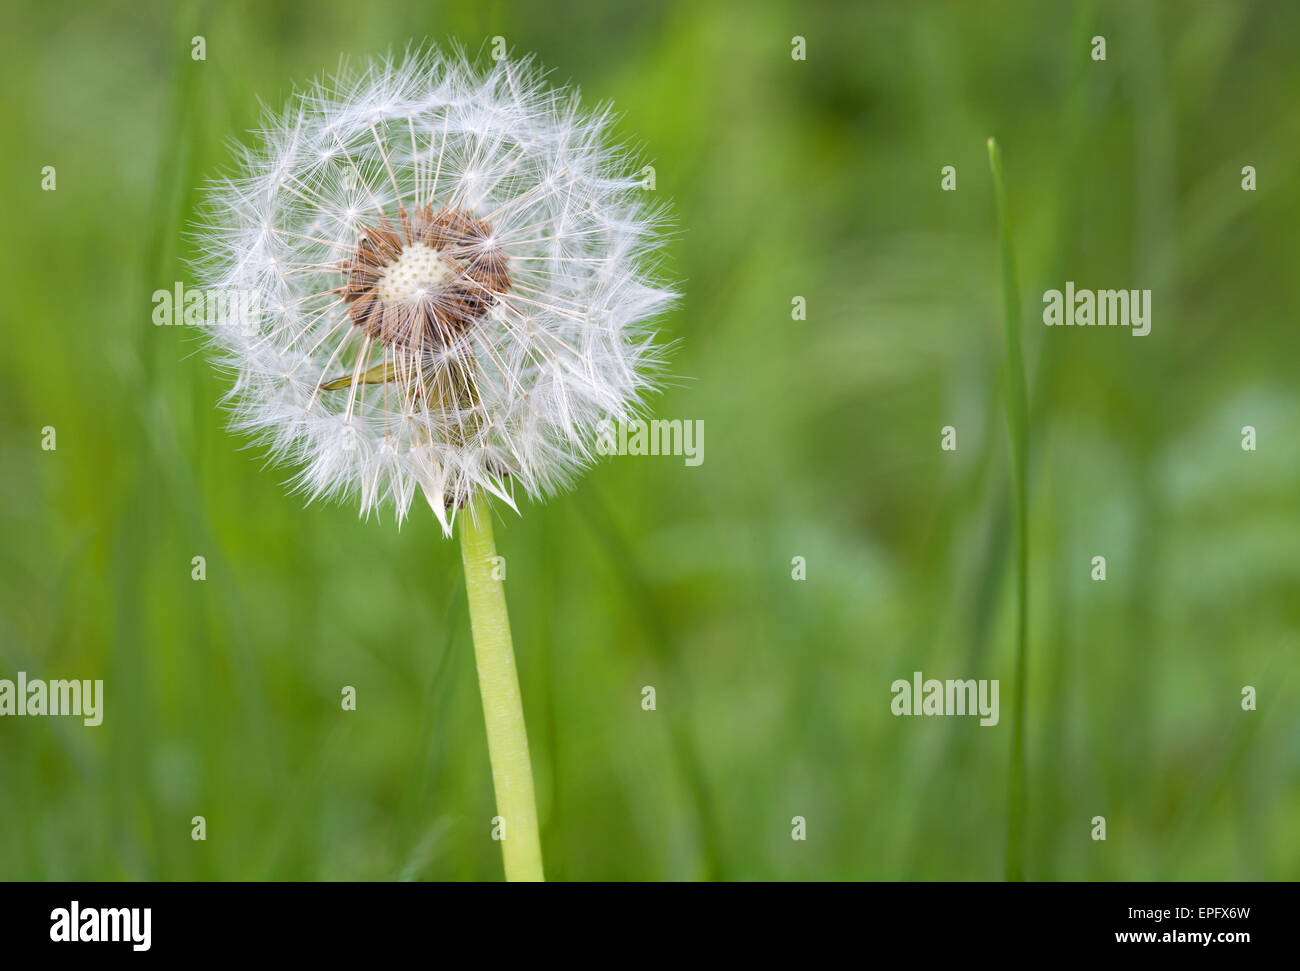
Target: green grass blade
{"x": 1018, "y": 426}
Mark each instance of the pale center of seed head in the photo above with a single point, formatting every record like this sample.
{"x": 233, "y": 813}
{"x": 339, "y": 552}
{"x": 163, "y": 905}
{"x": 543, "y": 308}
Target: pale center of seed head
{"x": 418, "y": 272}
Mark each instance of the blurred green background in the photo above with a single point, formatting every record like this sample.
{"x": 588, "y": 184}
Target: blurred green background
{"x": 817, "y": 178}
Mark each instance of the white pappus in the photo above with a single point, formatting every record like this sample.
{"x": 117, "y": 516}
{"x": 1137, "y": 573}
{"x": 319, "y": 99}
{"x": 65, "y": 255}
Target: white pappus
{"x": 447, "y": 276}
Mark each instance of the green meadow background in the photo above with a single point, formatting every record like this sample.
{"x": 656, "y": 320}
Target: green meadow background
{"x": 816, "y": 178}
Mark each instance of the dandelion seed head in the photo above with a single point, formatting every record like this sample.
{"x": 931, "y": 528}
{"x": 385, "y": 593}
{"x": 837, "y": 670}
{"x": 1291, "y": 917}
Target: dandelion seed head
{"x": 450, "y": 279}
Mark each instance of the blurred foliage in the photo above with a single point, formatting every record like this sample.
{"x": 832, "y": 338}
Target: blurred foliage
{"x": 816, "y": 178}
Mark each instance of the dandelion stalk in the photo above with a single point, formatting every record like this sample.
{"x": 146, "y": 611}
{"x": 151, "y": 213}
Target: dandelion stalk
{"x": 1017, "y": 407}
{"x": 512, "y": 774}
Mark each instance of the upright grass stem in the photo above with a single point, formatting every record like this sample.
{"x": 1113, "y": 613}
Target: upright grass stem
{"x": 512, "y": 774}
{"x": 1017, "y": 406}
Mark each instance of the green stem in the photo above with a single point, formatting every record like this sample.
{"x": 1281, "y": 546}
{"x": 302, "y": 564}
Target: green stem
{"x": 512, "y": 774}
{"x": 1018, "y": 426}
